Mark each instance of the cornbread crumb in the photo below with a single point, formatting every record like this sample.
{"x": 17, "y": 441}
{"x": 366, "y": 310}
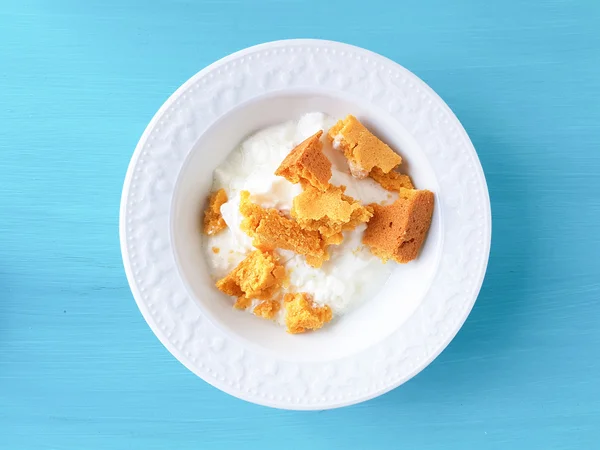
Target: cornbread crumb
{"x": 391, "y": 181}
{"x": 259, "y": 275}
{"x": 242, "y": 302}
{"x": 213, "y": 220}
{"x": 329, "y": 212}
{"x": 267, "y": 309}
{"x": 306, "y": 164}
{"x": 302, "y": 314}
{"x": 270, "y": 229}
{"x": 362, "y": 148}
{"x": 216, "y": 250}
{"x": 397, "y": 231}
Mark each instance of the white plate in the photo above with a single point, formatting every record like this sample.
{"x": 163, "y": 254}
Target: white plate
{"x": 369, "y": 351}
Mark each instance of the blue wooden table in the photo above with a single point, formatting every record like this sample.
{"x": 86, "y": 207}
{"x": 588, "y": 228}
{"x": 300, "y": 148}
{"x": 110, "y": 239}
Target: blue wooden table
{"x": 79, "y": 81}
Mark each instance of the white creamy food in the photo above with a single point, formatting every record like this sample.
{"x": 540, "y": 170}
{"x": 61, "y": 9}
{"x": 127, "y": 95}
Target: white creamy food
{"x": 352, "y": 274}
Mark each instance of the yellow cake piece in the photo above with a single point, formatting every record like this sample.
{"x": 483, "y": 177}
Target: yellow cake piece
{"x": 362, "y": 148}
{"x": 306, "y": 164}
{"x": 213, "y": 220}
{"x": 242, "y": 302}
{"x": 270, "y": 229}
{"x": 329, "y": 212}
{"x": 397, "y": 231}
{"x": 267, "y": 309}
{"x": 259, "y": 275}
{"x": 391, "y": 181}
{"x": 302, "y": 314}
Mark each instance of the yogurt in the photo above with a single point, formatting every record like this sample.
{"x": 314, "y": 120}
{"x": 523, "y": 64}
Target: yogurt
{"x": 352, "y": 274}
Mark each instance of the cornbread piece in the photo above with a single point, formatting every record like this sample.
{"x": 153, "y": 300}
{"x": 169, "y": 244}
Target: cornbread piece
{"x": 213, "y": 220}
{"x": 270, "y": 229}
{"x": 242, "y": 302}
{"x": 334, "y": 239}
{"x": 302, "y": 314}
{"x": 392, "y": 181}
{"x": 259, "y": 275}
{"x": 267, "y": 309}
{"x": 328, "y": 212}
{"x": 363, "y": 149}
{"x": 397, "y": 231}
{"x": 306, "y": 164}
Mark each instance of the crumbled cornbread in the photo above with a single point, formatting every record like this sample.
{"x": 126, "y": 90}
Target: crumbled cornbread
{"x": 362, "y": 148}
{"x": 242, "y": 302}
{"x": 397, "y": 231}
{"x": 259, "y": 275}
{"x": 267, "y": 309}
{"x": 213, "y": 220}
{"x": 318, "y": 217}
{"x": 302, "y": 314}
{"x": 306, "y": 164}
{"x": 270, "y": 229}
{"x": 392, "y": 181}
{"x": 329, "y": 212}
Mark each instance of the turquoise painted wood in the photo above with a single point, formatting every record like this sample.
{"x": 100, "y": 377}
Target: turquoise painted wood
{"x": 79, "y": 81}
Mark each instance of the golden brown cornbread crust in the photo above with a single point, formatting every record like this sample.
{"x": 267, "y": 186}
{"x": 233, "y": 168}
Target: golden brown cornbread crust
{"x": 397, "y": 231}
{"x": 213, "y": 220}
{"x": 302, "y": 314}
{"x": 329, "y": 212}
{"x": 362, "y": 148}
{"x": 270, "y": 229}
{"x": 267, "y": 309}
{"x": 391, "y": 181}
{"x": 260, "y": 275}
{"x": 306, "y": 164}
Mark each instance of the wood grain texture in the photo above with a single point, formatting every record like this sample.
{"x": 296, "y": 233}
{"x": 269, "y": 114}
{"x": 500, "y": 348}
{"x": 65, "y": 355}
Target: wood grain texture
{"x": 79, "y": 81}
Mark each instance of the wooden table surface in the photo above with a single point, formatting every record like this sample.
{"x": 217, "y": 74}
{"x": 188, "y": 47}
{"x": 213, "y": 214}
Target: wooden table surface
{"x": 79, "y": 367}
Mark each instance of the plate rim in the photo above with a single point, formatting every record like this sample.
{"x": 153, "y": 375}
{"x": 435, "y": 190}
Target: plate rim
{"x": 125, "y": 251}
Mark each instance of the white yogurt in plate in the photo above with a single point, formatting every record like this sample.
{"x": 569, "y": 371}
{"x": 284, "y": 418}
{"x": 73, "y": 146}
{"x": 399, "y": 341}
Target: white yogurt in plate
{"x": 352, "y": 274}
